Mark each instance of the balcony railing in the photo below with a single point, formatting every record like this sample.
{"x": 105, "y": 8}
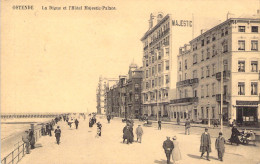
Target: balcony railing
{"x": 187, "y": 82}
{"x": 226, "y": 75}
{"x": 218, "y": 98}
{"x": 185, "y": 100}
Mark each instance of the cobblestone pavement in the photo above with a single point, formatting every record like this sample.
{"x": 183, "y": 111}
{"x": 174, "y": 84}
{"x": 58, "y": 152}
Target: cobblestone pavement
{"x": 82, "y": 147}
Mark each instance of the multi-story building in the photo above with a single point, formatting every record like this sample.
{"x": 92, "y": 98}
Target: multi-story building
{"x": 160, "y": 50}
{"x": 101, "y": 90}
{"x": 124, "y": 98}
{"x": 225, "y": 58}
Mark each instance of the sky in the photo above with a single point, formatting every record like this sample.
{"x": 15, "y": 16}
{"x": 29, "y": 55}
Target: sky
{"x": 51, "y": 60}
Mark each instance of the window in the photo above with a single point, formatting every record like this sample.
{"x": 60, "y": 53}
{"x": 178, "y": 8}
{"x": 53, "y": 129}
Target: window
{"x": 195, "y": 59}
{"x": 207, "y": 89}
{"x": 214, "y": 52}
{"x": 194, "y": 74}
{"x": 185, "y": 76}
{"x": 208, "y": 40}
{"x": 202, "y": 43}
{"x": 159, "y": 68}
{"x": 241, "y": 28}
{"x": 225, "y": 63}
{"x": 241, "y": 45}
{"x": 202, "y": 112}
{"x": 155, "y": 69}
{"x": 185, "y": 64}
{"x": 152, "y": 83}
{"x": 226, "y": 31}
{"x": 159, "y": 81}
{"x": 213, "y": 69}
{"x": 147, "y": 85}
{"x": 136, "y": 87}
{"x": 167, "y": 80}
{"x": 241, "y": 66}
{"x": 152, "y": 59}
{"x": 167, "y": 67}
{"x": 202, "y": 92}
{"x": 241, "y": 88}
{"x": 180, "y": 94}
{"x": 207, "y": 71}
{"x": 185, "y": 93}
{"x": 194, "y": 93}
{"x": 152, "y": 71}
{"x": 202, "y": 55}
{"x": 167, "y": 51}
{"x": 254, "y": 45}
{"x": 213, "y": 89}
{"x": 147, "y": 63}
{"x": 253, "y": 88}
{"x": 159, "y": 56}
{"x": 155, "y": 82}
{"x": 213, "y": 112}
{"x": 202, "y": 72}
{"x": 208, "y": 53}
{"x": 254, "y": 66}
{"x": 222, "y": 32}
{"x": 136, "y": 97}
{"x": 254, "y": 28}
{"x": 213, "y": 37}
{"x": 225, "y": 47}
{"x": 146, "y": 74}
{"x": 179, "y": 66}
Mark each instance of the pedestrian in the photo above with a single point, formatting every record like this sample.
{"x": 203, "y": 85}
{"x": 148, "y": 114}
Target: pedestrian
{"x": 49, "y": 129}
{"x": 168, "y": 147}
{"x": 205, "y": 144}
{"x": 108, "y": 118}
{"x": 99, "y": 126}
{"x": 25, "y": 139}
{"x": 234, "y": 136}
{"x": 76, "y": 123}
{"x": 57, "y": 134}
{"x": 139, "y": 132}
{"x": 220, "y": 146}
{"x": 176, "y": 153}
{"x": 187, "y": 127}
{"x": 31, "y": 138}
{"x": 126, "y": 134}
{"x": 230, "y": 122}
{"x": 159, "y": 124}
{"x": 252, "y": 137}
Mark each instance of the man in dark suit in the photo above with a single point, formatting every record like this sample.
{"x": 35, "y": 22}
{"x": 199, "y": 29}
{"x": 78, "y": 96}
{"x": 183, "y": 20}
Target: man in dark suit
{"x": 168, "y": 147}
{"x": 205, "y": 143}
{"x": 57, "y": 134}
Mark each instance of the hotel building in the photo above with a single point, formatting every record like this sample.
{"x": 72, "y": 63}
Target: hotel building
{"x": 226, "y": 56}
{"x": 160, "y": 50}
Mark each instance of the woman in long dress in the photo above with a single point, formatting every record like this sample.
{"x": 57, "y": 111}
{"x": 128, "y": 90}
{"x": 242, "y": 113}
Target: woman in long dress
{"x": 176, "y": 153}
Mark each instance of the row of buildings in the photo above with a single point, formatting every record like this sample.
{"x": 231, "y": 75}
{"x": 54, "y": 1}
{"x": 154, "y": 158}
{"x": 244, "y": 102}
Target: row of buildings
{"x": 219, "y": 68}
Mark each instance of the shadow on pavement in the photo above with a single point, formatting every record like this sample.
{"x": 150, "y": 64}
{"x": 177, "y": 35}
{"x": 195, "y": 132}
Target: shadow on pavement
{"x": 162, "y": 161}
{"x": 37, "y": 145}
{"x": 234, "y": 154}
{"x": 194, "y": 156}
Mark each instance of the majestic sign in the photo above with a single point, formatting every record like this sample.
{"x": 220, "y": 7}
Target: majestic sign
{"x": 182, "y": 23}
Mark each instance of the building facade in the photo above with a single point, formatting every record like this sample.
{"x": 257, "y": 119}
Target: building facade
{"x": 225, "y": 58}
{"x": 124, "y": 97}
{"x": 103, "y": 85}
{"x": 160, "y": 50}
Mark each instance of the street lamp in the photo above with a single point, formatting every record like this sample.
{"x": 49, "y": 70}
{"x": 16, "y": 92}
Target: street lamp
{"x": 208, "y": 114}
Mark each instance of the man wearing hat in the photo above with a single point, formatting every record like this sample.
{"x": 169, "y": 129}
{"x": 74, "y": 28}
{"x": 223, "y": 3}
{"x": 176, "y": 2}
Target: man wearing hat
{"x": 220, "y": 146}
{"x": 205, "y": 143}
{"x": 57, "y": 134}
{"x": 168, "y": 147}
{"x": 139, "y": 133}
{"x": 26, "y": 140}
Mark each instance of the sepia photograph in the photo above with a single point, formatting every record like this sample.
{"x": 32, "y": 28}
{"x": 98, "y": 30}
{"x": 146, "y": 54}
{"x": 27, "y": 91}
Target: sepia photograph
{"x": 130, "y": 82}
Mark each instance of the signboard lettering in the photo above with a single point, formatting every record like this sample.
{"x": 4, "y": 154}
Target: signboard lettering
{"x": 182, "y": 23}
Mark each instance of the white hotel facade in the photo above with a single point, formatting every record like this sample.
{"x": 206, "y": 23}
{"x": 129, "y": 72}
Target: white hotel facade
{"x": 160, "y": 50}
{"x": 231, "y": 48}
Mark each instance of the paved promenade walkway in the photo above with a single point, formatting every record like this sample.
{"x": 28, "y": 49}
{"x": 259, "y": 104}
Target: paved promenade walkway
{"x": 82, "y": 147}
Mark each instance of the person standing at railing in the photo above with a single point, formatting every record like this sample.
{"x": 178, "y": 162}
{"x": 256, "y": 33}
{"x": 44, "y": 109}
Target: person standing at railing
{"x": 25, "y": 138}
{"x": 31, "y": 138}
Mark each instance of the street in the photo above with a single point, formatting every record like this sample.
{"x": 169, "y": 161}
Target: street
{"x": 82, "y": 147}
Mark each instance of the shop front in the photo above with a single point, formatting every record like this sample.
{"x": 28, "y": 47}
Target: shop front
{"x": 247, "y": 112}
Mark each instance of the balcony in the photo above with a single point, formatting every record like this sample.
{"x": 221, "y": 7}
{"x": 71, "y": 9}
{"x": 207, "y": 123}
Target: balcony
{"x": 218, "y": 98}
{"x": 187, "y": 82}
{"x": 185, "y": 100}
{"x": 226, "y": 75}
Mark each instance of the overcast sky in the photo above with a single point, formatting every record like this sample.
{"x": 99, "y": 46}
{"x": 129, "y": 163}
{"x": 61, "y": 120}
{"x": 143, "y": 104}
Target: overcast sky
{"x": 51, "y": 60}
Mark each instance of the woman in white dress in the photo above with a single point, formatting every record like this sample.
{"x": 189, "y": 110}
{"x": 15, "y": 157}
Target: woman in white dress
{"x": 176, "y": 153}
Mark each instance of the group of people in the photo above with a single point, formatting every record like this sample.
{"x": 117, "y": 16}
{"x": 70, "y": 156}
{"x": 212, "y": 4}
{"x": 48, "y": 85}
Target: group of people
{"x": 29, "y": 139}
{"x": 171, "y": 149}
{"x": 128, "y": 133}
{"x": 92, "y": 121}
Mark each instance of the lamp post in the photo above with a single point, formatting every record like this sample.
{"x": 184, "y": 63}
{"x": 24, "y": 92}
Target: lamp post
{"x": 208, "y": 114}
{"x": 221, "y": 95}
{"x": 157, "y": 105}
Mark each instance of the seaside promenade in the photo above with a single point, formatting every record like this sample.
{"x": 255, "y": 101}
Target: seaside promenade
{"x": 80, "y": 146}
